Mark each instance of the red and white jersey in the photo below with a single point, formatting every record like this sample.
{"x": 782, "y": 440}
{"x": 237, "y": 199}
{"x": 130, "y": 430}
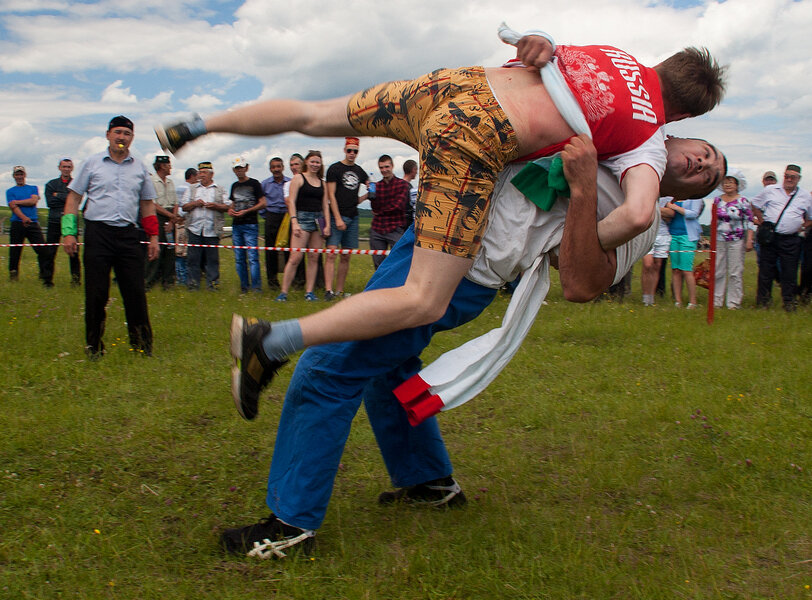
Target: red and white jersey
{"x": 620, "y": 99}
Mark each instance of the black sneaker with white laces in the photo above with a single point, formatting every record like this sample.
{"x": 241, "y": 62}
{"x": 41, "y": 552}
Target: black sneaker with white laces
{"x": 269, "y": 538}
{"x": 173, "y": 136}
{"x": 439, "y": 493}
{"x": 252, "y": 369}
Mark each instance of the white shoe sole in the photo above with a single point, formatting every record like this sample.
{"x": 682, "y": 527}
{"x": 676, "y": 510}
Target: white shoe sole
{"x": 235, "y": 390}
{"x": 237, "y": 326}
{"x": 160, "y": 133}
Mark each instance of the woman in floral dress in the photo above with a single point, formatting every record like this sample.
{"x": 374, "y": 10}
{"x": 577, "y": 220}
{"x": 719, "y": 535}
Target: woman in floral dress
{"x": 734, "y": 237}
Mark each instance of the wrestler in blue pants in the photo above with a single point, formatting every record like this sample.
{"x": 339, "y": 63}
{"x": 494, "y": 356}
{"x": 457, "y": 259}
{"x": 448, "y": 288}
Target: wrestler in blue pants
{"x": 326, "y": 390}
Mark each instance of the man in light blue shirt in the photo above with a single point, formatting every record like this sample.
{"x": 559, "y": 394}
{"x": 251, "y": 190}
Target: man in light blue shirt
{"x": 118, "y": 187}
{"x": 274, "y": 213}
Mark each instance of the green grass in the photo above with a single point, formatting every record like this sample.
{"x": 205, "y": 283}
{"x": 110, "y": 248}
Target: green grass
{"x": 625, "y": 453}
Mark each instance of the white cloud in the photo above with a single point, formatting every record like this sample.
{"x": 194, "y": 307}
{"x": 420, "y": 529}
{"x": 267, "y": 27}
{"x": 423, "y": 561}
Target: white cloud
{"x": 18, "y": 143}
{"x": 116, "y": 94}
{"x": 202, "y": 102}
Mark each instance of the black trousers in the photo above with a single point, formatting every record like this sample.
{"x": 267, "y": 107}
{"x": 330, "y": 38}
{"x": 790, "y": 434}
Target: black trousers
{"x": 18, "y": 234}
{"x": 195, "y": 256}
{"x": 54, "y": 236}
{"x": 272, "y": 223}
{"x": 163, "y": 268}
{"x": 781, "y": 255}
{"x": 805, "y": 289}
{"x": 119, "y": 249}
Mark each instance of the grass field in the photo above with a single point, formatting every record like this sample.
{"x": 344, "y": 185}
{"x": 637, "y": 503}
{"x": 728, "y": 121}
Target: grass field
{"x": 627, "y": 452}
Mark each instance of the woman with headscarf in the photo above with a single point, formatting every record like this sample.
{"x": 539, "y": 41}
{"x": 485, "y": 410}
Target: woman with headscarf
{"x": 734, "y": 237}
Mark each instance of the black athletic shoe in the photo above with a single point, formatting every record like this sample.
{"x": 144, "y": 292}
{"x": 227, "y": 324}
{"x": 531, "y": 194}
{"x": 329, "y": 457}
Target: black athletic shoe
{"x": 252, "y": 369}
{"x": 173, "y": 137}
{"x": 267, "y": 539}
{"x": 440, "y": 493}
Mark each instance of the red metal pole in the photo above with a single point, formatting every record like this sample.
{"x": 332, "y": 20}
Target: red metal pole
{"x": 712, "y": 282}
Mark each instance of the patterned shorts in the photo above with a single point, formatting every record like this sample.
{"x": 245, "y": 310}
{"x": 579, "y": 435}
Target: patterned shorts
{"x": 464, "y": 139}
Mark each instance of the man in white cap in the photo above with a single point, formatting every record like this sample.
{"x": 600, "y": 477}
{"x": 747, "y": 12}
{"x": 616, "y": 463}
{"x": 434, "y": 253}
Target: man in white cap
{"x": 247, "y": 199}
{"x": 22, "y": 200}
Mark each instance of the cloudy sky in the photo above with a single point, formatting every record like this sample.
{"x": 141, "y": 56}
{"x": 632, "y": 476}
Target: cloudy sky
{"x": 67, "y": 67}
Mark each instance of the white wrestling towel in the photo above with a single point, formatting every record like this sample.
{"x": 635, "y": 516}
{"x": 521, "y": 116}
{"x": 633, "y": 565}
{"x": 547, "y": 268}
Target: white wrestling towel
{"x": 462, "y": 373}
{"x": 553, "y": 81}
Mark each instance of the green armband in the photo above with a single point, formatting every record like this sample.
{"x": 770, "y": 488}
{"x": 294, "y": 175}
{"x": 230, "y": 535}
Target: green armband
{"x": 69, "y": 225}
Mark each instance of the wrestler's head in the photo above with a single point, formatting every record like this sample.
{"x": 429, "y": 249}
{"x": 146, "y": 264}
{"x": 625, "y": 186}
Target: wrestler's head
{"x": 692, "y": 83}
{"x": 693, "y": 169}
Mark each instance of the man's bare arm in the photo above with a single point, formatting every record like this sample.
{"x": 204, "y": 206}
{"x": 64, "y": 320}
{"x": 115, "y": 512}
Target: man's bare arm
{"x": 641, "y": 188}
{"x": 15, "y": 208}
{"x": 30, "y": 201}
{"x": 585, "y": 267}
{"x": 331, "y": 200}
{"x": 160, "y": 210}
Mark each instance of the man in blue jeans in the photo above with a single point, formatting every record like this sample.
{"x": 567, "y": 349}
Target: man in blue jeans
{"x": 331, "y": 380}
{"x": 247, "y": 199}
{"x": 344, "y": 179}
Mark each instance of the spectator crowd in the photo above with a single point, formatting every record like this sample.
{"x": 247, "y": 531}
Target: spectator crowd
{"x": 775, "y": 223}
{"x": 306, "y": 210}
{"x": 311, "y": 209}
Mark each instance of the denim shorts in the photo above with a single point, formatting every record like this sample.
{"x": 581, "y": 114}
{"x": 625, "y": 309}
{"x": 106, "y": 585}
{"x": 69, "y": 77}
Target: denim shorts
{"x": 307, "y": 220}
{"x": 347, "y": 238}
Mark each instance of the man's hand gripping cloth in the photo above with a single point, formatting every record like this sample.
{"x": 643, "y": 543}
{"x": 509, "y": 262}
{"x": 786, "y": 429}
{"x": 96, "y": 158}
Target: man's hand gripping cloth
{"x": 553, "y": 81}
{"x": 540, "y": 183}
{"x": 518, "y": 239}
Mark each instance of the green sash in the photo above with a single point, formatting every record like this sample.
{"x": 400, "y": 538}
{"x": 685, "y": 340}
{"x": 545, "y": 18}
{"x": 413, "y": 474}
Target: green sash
{"x": 542, "y": 181}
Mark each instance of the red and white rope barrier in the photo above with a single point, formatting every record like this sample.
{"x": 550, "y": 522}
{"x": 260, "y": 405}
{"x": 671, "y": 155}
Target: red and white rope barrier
{"x": 277, "y": 248}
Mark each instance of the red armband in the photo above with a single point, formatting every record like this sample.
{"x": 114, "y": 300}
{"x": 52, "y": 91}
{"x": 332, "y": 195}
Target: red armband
{"x": 150, "y": 224}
